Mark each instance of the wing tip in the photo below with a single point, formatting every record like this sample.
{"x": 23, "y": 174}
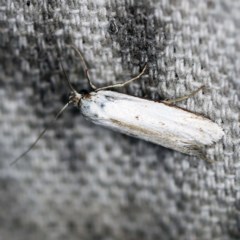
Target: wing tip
{"x": 217, "y": 136}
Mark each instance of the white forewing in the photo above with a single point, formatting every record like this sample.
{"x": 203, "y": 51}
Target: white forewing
{"x": 155, "y": 122}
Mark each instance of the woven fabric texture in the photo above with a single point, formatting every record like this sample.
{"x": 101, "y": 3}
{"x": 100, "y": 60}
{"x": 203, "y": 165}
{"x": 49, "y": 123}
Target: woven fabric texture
{"x": 82, "y": 181}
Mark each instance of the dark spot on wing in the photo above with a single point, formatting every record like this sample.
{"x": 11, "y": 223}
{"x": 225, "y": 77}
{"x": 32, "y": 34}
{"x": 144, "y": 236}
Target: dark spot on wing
{"x": 120, "y": 96}
{"x": 86, "y": 107}
{"x": 110, "y": 98}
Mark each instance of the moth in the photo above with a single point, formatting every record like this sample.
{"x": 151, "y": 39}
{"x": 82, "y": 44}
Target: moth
{"x": 158, "y": 122}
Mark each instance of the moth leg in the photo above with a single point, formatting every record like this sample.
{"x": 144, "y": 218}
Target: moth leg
{"x": 118, "y": 85}
{"x": 85, "y": 67}
{"x": 171, "y": 101}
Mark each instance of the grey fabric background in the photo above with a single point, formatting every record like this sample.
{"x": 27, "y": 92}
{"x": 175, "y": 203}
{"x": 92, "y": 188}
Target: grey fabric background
{"x": 86, "y": 182}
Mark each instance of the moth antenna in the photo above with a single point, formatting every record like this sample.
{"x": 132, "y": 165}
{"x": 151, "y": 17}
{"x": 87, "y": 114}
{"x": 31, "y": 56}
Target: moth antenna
{"x": 66, "y": 78}
{"x": 40, "y": 135}
{"x": 84, "y": 66}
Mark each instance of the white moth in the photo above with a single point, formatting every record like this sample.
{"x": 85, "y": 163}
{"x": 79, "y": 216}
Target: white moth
{"x": 157, "y": 122}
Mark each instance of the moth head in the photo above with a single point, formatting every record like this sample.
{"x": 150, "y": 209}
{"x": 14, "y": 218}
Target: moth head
{"x": 75, "y": 98}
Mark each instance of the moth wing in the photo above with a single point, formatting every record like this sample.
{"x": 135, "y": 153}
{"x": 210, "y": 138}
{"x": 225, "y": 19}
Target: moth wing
{"x": 155, "y": 122}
